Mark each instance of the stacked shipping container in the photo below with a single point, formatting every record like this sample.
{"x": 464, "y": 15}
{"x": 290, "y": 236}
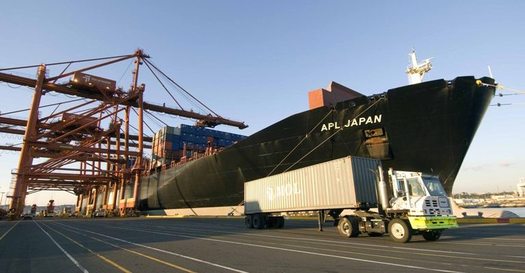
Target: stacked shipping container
{"x": 170, "y": 143}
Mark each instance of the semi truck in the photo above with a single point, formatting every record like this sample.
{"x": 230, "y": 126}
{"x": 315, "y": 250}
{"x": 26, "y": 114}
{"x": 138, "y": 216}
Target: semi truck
{"x": 358, "y": 195}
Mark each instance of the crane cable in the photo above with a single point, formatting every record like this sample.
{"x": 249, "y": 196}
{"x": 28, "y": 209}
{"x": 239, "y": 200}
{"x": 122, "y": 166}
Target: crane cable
{"x": 155, "y": 117}
{"x": 145, "y": 123}
{"x": 161, "y": 83}
{"x": 176, "y": 86}
{"x": 181, "y": 88}
{"x": 43, "y": 106}
{"x": 69, "y": 62}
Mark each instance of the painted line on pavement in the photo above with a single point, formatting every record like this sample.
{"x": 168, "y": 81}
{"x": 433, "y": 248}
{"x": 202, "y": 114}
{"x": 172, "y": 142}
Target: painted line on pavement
{"x": 505, "y": 269}
{"x": 371, "y": 246}
{"x": 485, "y": 244}
{"x": 297, "y": 251}
{"x": 146, "y": 256}
{"x": 430, "y": 252}
{"x": 504, "y": 239}
{"x": 64, "y": 251}
{"x": 3, "y": 235}
{"x": 160, "y": 250}
{"x": 134, "y": 252}
{"x": 417, "y": 251}
{"x": 107, "y": 260}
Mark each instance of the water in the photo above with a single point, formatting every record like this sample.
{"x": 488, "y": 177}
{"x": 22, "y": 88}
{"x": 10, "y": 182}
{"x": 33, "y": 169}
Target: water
{"x": 518, "y": 211}
{"x": 492, "y": 212}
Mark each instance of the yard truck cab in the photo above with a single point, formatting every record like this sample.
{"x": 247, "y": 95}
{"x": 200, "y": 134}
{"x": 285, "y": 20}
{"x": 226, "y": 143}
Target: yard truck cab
{"x": 421, "y": 205}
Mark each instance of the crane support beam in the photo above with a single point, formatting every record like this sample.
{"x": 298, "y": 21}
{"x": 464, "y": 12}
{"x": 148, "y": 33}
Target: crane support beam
{"x": 64, "y": 183}
{"x": 13, "y": 121}
{"x": 10, "y": 148}
{"x": 12, "y": 131}
{"x": 81, "y": 158}
{"x": 208, "y": 119}
{"x": 21, "y": 122}
{"x": 75, "y": 170}
{"x": 26, "y": 158}
{"x": 67, "y": 147}
{"x": 70, "y": 176}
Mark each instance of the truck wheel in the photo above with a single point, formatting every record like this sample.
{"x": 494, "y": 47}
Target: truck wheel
{"x": 432, "y": 235}
{"x": 399, "y": 230}
{"x": 248, "y": 221}
{"x": 348, "y": 226}
{"x": 258, "y": 221}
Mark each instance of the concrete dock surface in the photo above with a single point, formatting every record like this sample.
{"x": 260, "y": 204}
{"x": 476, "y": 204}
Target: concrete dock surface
{"x": 225, "y": 245}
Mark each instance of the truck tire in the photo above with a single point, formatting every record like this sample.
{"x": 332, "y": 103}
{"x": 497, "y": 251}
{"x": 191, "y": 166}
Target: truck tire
{"x": 248, "y": 221}
{"x": 432, "y": 235}
{"x": 348, "y": 226}
{"x": 259, "y": 221}
{"x": 399, "y": 230}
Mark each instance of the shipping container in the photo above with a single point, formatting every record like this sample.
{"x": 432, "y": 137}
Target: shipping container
{"x": 173, "y": 138}
{"x": 169, "y": 142}
{"x": 79, "y": 120}
{"x": 86, "y": 80}
{"x": 348, "y": 182}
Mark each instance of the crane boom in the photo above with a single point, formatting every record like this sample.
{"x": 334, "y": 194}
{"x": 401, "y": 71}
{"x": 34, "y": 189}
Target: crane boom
{"x": 207, "y": 120}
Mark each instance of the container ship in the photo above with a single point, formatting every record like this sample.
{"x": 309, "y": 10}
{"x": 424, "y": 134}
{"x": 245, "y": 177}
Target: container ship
{"x": 425, "y": 127}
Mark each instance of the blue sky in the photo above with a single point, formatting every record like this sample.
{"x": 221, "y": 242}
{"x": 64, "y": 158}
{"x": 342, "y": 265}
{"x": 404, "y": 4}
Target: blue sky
{"x": 255, "y": 61}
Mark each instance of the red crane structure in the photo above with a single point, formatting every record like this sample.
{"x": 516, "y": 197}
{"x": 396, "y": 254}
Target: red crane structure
{"x": 75, "y": 152}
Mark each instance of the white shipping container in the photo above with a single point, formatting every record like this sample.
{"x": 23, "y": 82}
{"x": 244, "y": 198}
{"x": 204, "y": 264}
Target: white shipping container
{"x": 348, "y": 182}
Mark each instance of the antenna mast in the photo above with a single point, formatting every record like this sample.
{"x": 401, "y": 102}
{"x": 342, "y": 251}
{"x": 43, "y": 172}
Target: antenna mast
{"x": 417, "y": 71}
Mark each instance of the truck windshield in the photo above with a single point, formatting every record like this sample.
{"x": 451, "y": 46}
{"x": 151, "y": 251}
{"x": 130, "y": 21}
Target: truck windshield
{"x": 415, "y": 188}
{"x": 434, "y": 186}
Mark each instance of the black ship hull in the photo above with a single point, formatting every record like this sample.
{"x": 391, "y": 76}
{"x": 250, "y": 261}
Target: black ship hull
{"x": 426, "y": 127}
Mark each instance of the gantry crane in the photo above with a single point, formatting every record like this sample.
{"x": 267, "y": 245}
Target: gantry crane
{"x": 76, "y": 136}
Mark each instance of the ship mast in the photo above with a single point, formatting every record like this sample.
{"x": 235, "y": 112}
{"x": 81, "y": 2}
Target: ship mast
{"x": 417, "y": 71}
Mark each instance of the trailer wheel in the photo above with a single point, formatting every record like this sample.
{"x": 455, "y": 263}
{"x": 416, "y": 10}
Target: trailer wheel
{"x": 248, "y": 221}
{"x": 399, "y": 230}
{"x": 348, "y": 226}
{"x": 258, "y": 221}
{"x": 280, "y": 222}
{"x": 432, "y": 235}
